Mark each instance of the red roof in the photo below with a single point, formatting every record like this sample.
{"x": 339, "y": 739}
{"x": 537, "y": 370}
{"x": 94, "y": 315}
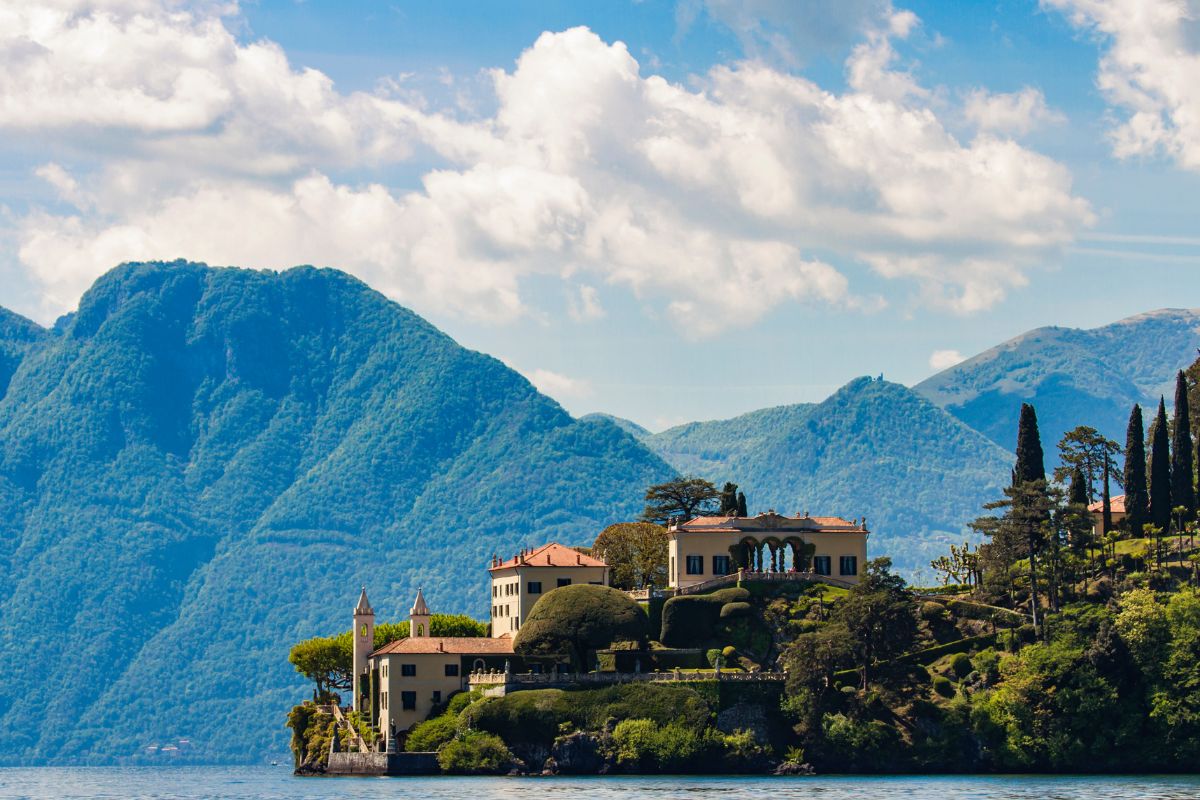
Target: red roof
{"x": 1117, "y": 504}
{"x": 453, "y": 645}
{"x": 551, "y": 555}
{"x": 773, "y": 522}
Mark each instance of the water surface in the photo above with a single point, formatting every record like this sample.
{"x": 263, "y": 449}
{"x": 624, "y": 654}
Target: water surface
{"x": 277, "y": 783}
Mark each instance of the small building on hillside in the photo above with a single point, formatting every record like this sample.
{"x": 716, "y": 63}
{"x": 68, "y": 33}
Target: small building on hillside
{"x": 519, "y": 582}
{"x": 705, "y": 548}
{"x": 1116, "y": 506}
{"x": 410, "y": 677}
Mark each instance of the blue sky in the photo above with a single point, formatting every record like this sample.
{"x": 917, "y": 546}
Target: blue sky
{"x": 663, "y": 210}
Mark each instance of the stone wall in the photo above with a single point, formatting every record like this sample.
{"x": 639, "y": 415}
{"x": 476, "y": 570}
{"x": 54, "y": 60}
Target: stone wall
{"x": 383, "y": 764}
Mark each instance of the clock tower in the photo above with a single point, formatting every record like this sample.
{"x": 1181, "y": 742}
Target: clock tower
{"x": 364, "y": 644}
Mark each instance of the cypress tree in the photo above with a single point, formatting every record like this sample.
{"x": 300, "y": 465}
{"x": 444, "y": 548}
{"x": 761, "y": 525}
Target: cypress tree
{"x": 1137, "y": 504}
{"x": 1160, "y": 470}
{"x": 1031, "y": 465}
{"x": 1077, "y": 494}
{"x": 741, "y": 505}
{"x": 1183, "y": 493}
{"x": 729, "y": 507}
{"x": 1106, "y": 521}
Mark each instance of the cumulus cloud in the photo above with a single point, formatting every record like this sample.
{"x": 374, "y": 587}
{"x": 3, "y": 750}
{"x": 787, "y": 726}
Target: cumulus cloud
{"x": 945, "y": 359}
{"x": 1148, "y": 70}
{"x": 1010, "y": 112}
{"x": 559, "y": 386}
{"x": 709, "y": 200}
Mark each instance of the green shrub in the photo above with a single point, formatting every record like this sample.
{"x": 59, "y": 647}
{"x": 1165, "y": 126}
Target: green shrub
{"x": 691, "y": 619}
{"x": 943, "y": 686}
{"x": 736, "y": 610}
{"x": 987, "y": 663}
{"x": 642, "y": 744}
{"x": 932, "y": 611}
{"x": 743, "y": 752}
{"x": 431, "y": 734}
{"x": 961, "y": 665}
{"x": 522, "y": 717}
{"x": 590, "y": 709}
{"x": 729, "y": 652}
{"x": 461, "y": 700}
{"x": 711, "y": 656}
{"x": 852, "y": 745}
{"x": 475, "y": 754}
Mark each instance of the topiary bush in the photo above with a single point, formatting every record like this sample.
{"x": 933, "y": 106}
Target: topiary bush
{"x": 961, "y": 665}
{"x": 573, "y": 620}
{"x": 736, "y": 610}
{"x": 691, "y": 619}
{"x": 475, "y": 754}
{"x": 943, "y": 686}
{"x": 522, "y": 718}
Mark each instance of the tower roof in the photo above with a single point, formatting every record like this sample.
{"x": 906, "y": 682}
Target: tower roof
{"x": 419, "y": 608}
{"x": 364, "y": 606}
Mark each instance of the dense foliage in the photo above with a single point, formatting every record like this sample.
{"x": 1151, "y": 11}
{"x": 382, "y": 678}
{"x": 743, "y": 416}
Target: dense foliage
{"x": 578, "y": 619}
{"x": 636, "y": 554}
{"x": 201, "y": 466}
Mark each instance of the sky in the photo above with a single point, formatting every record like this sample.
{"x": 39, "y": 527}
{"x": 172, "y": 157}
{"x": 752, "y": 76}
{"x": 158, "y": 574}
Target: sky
{"x": 666, "y": 210}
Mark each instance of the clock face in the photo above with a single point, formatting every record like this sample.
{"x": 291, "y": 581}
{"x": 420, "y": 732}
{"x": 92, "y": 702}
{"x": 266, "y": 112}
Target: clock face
{"x": 364, "y": 630}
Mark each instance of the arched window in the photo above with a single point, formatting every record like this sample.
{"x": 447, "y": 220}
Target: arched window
{"x": 420, "y": 630}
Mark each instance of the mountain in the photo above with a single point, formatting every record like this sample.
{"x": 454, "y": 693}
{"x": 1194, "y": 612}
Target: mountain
{"x": 201, "y": 466}
{"x": 873, "y": 449}
{"x": 1072, "y": 376}
{"x": 627, "y": 425}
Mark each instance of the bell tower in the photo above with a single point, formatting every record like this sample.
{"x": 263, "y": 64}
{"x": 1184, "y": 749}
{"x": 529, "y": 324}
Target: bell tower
{"x": 364, "y": 643}
{"x": 418, "y": 617}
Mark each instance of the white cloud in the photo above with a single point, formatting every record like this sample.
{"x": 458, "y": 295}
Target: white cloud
{"x": 945, "y": 359}
{"x": 1011, "y": 112}
{"x": 709, "y": 200}
{"x": 559, "y": 386}
{"x": 1149, "y": 70}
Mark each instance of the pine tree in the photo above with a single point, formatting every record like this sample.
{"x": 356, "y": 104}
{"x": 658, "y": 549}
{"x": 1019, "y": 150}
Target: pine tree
{"x": 1137, "y": 504}
{"x": 1160, "y": 470}
{"x": 1031, "y": 464}
{"x": 1183, "y": 493}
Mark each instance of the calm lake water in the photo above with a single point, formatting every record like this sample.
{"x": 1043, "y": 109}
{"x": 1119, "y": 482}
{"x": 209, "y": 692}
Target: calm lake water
{"x": 149, "y": 783}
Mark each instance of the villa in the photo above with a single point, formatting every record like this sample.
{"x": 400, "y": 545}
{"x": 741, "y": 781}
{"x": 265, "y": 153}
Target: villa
{"x": 1116, "y": 506}
{"x": 519, "y": 582}
{"x": 706, "y": 548}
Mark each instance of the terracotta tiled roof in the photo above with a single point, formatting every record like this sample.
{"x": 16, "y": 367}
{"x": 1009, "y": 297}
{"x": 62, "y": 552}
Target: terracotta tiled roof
{"x": 1117, "y": 504}
{"x": 455, "y": 645}
{"x": 551, "y": 555}
{"x": 771, "y": 521}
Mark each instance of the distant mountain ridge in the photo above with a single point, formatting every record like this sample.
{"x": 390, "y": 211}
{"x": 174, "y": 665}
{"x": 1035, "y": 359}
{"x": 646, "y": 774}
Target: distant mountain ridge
{"x": 873, "y": 449}
{"x": 201, "y": 466}
{"x": 1072, "y": 376}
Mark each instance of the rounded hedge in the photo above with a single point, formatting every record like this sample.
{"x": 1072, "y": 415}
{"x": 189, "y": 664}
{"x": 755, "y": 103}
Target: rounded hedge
{"x": 961, "y": 665}
{"x": 736, "y": 610}
{"x": 943, "y": 686}
{"x": 573, "y": 620}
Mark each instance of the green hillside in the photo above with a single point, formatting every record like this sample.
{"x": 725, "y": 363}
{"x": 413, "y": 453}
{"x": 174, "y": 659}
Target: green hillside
{"x": 873, "y": 449}
{"x": 1072, "y": 376}
{"x": 201, "y": 466}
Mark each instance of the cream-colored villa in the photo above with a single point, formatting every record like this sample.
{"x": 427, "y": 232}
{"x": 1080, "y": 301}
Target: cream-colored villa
{"x": 1116, "y": 506}
{"x": 519, "y": 582}
{"x": 705, "y": 548}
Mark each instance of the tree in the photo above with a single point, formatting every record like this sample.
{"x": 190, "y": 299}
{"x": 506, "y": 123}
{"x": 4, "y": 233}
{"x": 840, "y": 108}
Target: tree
{"x": 1077, "y": 493}
{"x": 1085, "y": 449}
{"x": 729, "y": 500}
{"x": 1183, "y": 491}
{"x": 741, "y": 509}
{"x": 684, "y": 497}
{"x": 1160, "y": 470}
{"x": 636, "y": 553}
{"x": 1137, "y": 502}
{"x": 1031, "y": 464}
{"x": 879, "y": 617}
{"x": 573, "y": 620}
{"x": 327, "y": 661}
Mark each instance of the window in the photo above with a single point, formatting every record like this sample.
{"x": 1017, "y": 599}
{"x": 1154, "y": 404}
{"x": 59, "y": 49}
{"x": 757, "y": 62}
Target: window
{"x": 383, "y": 700}
{"x": 564, "y": 582}
{"x": 672, "y": 565}
{"x": 848, "y": 565}
{"x": 535, "y": 587}
{"x": 695, "y": 565}
{"x": 408, "y": 701}
{"x": 720, "y": 565}
{"x": 494, "y": 590}
{"x": 437, "y": 698}
{"x": 408, "y": 670}
{"x": 821, "y": 565}
{"x": 383, "y": 672}
{"x": 452, "y": 670}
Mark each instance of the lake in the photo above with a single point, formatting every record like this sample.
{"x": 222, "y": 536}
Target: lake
{"x": 267, "y": 783}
